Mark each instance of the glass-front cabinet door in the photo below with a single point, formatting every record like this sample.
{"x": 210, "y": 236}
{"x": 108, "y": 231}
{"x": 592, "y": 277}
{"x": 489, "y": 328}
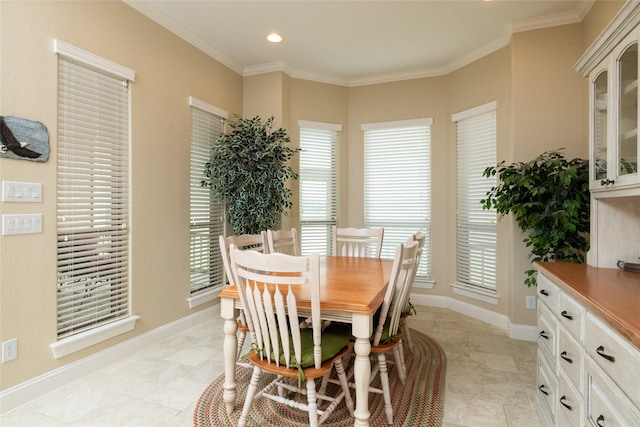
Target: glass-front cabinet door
{"x": 627, "y": 149}
{"x": 614, "y": 118}
{"x": 600, "y": 108}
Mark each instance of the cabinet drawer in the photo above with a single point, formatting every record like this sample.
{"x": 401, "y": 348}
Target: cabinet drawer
{"x": 606, "y": 405}
{"x": 547, "y": 387}
{"x": 570, "y": 403}
{"x": 616, "y": 356}
{"x": 547, "y": 332}
{"x": 571, "y": 315}
{"x": 548, "y": 292}
{"x": 571, "y": 358}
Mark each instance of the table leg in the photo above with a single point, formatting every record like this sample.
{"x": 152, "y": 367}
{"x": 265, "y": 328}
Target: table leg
{"x": 229, "y": 314}
{"x": 361, "y": 329}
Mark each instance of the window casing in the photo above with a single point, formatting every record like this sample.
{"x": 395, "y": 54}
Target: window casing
{"x": 476, "y": 235}
{"x": 92, "y": 193}
{"x": 397, "y": 184}
{"x": 206, "y": 221}
{"x": 318, "y": 185}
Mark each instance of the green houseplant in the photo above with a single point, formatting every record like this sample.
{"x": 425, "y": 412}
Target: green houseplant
{"x": 549, "y": 197}
{"x": 248, "y": 171}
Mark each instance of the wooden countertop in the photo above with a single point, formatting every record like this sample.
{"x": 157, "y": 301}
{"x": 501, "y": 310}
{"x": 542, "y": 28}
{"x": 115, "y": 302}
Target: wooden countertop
{"x": 611, "y": 294}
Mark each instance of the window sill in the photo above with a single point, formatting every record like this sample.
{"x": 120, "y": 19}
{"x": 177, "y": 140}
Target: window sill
{"x": 423, "y": 283}
{"x": 476, "y": 293}
{"x": 86, "y": 339}
{"x": 204, "y": 297}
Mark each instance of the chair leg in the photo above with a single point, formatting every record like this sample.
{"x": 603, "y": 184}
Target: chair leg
{"x": 312, "y": 402}
{"x": 241, "y": 337}
{"x": 386, "y": 390}
{"x": 345, "y": 386}
{"x": 399, "y": 358}
{"x": 248, "y": 401}
{"x": 324, "y": 383}
{"x": 406, "y": 335}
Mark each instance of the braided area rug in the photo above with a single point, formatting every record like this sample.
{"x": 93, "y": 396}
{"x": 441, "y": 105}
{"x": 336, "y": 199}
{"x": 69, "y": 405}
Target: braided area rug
{"x": 419, "y": 402}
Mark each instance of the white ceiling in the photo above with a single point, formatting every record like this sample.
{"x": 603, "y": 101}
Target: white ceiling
{"x": 355, "y": 42}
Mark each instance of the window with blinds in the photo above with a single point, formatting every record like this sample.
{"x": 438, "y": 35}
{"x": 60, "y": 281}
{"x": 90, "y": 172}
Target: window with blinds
{"x": 476, "y": 228}
{"x": 92, "y": 191}
{"x": 206, "y": 216}
{"x": 397, "y": 184}
{"x": 318, "y": 181}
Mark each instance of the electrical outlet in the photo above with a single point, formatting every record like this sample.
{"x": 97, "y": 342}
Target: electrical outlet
{"x": 531, "y": 302}
{"x": 9, "y": 350}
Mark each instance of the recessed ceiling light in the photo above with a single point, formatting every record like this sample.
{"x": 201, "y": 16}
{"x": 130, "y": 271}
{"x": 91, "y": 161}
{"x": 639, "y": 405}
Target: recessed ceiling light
{"x": 274, "y": 38}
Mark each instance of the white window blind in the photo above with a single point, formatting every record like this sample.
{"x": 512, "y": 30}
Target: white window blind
{"x": 397, "y": 184}
{"x": 476, "y": 228}
{"x": 92, "y": 194}
{"x": 206, "y": 216}
{"x": 318, "y": 180}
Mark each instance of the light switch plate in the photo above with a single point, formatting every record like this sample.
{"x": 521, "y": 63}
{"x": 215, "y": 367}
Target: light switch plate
{"x": 21, "y": 224}
{"x": 29, "y": 192}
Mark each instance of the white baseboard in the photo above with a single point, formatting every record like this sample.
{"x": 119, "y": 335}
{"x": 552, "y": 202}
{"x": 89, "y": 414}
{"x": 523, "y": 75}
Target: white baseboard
{"x": 22, "y": 393}
{"x": 520, "y": 332}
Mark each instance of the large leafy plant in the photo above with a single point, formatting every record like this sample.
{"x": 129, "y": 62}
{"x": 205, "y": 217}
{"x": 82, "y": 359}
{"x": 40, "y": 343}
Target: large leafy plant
{"x": 248, "y": 172}
{"x": 549, "y": 197}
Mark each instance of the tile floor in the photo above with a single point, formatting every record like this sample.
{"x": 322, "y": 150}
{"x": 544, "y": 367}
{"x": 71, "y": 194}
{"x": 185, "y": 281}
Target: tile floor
{"x": 490, "y": 380}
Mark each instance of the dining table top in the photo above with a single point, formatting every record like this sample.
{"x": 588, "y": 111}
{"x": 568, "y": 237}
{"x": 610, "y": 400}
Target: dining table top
{"x": 347, "y": 284}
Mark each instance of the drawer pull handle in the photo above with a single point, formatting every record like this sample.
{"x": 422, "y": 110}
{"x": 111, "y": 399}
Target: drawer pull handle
{"x": 600, "y": 421}
{"x": 600, "y": 351}
{"x": 541, "y": 388}
{"x": 543, "y": 292}
{"x": 564, "y": 356}
{"x": 562, "y": 399}
{"x": 566, "y": 315}
{"x": 544, "y": 335}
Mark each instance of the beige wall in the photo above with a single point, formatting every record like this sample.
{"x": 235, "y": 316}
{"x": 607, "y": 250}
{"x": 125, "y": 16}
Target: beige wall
{"x": 550, "y": 111}
{"x": 601, "y": 13}
{"x": 168, "y": 71}
{"x": 541, "y": 106}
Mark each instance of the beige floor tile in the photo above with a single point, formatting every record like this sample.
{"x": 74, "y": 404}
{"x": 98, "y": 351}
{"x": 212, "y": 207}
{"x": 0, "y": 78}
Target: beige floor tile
{"x": 23, "y": 416}
{"x": 473, "y": 412}
{"x": 490, "y": 379}
{"x": 126, "y": 411}
{"x": 501, "y": 362}
{"x": 522, "y": 416}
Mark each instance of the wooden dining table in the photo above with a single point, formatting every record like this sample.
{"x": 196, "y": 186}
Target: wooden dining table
{"x": 351, "y": 290}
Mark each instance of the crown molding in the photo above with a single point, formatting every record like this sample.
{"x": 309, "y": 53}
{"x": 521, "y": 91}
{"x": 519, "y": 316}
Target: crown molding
{"x": 517, "y": 26}
{"x": 163, "y": 20}
{"x": 564, "y": 18}
{"x": 253, "y": 70}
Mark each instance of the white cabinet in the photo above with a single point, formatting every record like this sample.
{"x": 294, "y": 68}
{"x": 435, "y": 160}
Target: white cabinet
{"x": 588, "y": 374}
{"x": 612, "y": 67}
{"x": 614, "y": 144}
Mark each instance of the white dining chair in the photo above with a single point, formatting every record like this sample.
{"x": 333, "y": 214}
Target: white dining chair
{"x": 357, "y": 242}
{"x": 283, "y": 241}
{"x": 266, "y": 285}
{"x": 406, "y": 312}
{"x": 257, "y": 242}
{"x": 386, "y": 338}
